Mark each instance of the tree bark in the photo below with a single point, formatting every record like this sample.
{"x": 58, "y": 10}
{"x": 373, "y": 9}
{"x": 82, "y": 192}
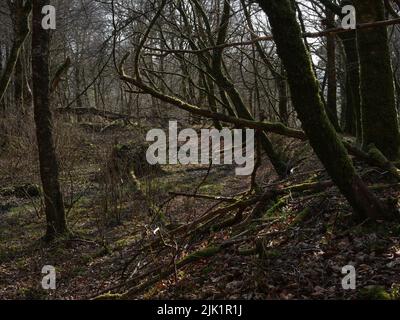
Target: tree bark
{"x": 49, "y": 171}
{"x": 283, "y": 97}
{"x": 378, "y": 115}
{"x": 353, "y": 99}
{"x": 331, "y": 72}
{"x": 306, "y": 100}
{"x": 20, "y": 25}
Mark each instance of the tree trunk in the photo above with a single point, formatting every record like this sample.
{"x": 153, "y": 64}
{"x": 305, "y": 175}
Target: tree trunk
{"x": 49, "y": 172}
{"x": 348, "y": 116}
{"x": 78, "y": 98}
{"x": 23, "y": 31}
{"x": 306, "y": 100}
{"x": 283, "y": 97}
{"x": 20, "y": 25}
{"x": 353, "y": 100}
{"x": 228, "y": 86}
{"x": 331, "y": 72}
{"x": 378, "y": 115}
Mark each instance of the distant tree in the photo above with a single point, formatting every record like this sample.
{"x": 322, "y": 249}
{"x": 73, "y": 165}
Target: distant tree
{"x": 331, "y": 103}
{"x": 49, "y": 171}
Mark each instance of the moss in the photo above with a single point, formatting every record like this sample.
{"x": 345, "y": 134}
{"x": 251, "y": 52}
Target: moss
{"x": 124, "y": 242}
{"x": 246, "y": 250}
{"x": 103, "y": 251}
{"x": 374, "y": 293}
{"x": 212, "y": 188}
{"x": 32, "y": 293}
{"x": 302, "y": 216}
{"x": 109, "y": 296}
{"x": 86, "y": 258}
{"x": 395, "y": 292}
{"x": 21, "y": 264}
{"x": 375, "y": 154}
{"x": 204, "y": 253}
{"x": 120, "y": 147}
{"x": 272, "y": 254}
{"x": 78, "y": 270}
{"x": 207, "y": 270}
{"x": 280, "y": 203}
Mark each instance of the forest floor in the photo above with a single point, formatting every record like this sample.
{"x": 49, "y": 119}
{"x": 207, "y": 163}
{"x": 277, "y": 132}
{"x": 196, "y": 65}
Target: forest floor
{"x": 307, "y": 236}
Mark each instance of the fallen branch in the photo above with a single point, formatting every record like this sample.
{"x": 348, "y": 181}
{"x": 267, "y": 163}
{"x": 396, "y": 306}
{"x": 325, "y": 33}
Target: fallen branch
{"x": 205, "y": 253}
{"x": 203, "y": 196}
{"x": 196, "y": 256}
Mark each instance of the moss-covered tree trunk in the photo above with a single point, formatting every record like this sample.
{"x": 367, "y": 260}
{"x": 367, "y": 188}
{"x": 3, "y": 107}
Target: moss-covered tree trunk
{"x": 49, "y": 172}
{"x": 378, "y": 115}
{"x": 306, "y": 100}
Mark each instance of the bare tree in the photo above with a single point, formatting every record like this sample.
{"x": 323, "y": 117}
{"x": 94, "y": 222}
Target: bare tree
{"x": 49, "y": 171}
